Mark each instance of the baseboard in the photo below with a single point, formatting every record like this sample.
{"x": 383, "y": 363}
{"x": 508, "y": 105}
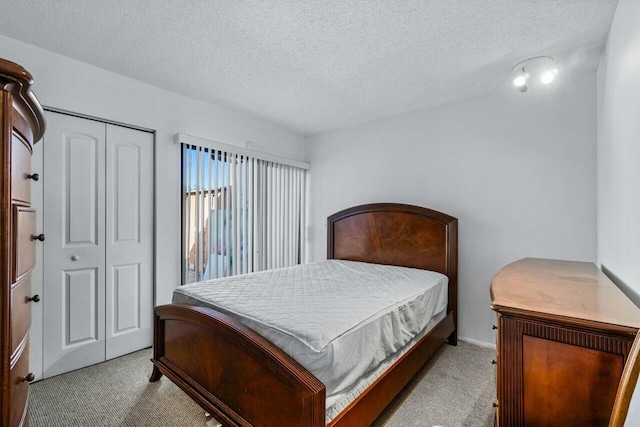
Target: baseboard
{"x": 478, "y": 343}
{"x": 631, "y": 293}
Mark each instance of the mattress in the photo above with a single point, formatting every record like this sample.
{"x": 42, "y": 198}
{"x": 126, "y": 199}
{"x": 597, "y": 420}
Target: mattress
{"x": 339, "y": 319}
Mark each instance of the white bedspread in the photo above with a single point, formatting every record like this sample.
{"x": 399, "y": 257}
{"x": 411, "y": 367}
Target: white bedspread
{"x": 339, "y": 319}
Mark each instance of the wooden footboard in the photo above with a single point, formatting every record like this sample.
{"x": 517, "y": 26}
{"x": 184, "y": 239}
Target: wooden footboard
{"x": 245, "y": 380}
{"x": 231, "y": 371}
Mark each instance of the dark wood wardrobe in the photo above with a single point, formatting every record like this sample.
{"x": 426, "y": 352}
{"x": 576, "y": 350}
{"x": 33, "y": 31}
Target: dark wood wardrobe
{"x": 21, "y": 125}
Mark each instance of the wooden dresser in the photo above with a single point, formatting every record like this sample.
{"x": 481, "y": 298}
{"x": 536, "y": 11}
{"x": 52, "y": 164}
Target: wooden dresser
{"x": 564, "y": 334}
{"x": 22, "y": 124}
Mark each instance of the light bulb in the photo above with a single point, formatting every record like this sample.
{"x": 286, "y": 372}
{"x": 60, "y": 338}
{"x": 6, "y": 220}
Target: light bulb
{"x": 547, "y": 77}
{"x": 520, "y": 80}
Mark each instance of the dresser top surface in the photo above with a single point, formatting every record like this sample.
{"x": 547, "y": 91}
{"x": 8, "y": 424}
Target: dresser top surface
{"x": 564, "y": 288}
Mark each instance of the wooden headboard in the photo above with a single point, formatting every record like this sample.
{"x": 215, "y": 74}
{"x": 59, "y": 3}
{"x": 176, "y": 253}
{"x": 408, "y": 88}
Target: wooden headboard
{"x": 397, "y": 234}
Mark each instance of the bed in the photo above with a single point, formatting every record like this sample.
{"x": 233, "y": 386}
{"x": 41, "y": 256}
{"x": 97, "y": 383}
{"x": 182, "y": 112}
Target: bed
{"x": 244, "y": 379}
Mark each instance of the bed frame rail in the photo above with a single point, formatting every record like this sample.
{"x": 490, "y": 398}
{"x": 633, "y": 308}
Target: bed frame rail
{"x": 371, "y": 403}
{"x": 237, "y": 375}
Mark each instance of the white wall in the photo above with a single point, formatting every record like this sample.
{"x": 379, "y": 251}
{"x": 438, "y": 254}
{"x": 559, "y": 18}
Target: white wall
{"x": 619, "y": 148}
{"x": 619, "y": 159}
{"x": 517, "y": 170}
{"x": 71, "y": 85}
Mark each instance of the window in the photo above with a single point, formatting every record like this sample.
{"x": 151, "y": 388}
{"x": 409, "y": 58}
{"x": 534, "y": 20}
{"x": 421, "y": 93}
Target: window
{"x": 241, "y": 213}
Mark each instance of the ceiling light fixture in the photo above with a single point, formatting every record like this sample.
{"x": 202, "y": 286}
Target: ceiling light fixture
{"x": 521, "y": 79}
{"x": 530, "y": 71}
{"x": 548, "y": 76}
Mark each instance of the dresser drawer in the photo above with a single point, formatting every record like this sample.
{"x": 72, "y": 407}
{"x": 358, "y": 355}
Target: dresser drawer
{"x": 25, "y": 249}
{"x": 19, "y": 389}
{"x": 20, "y": 168}
{"x": 20, "y": 311}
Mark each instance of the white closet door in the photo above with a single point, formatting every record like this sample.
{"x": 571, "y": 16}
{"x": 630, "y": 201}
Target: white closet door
{"x": 129, "y": 240}
{"x": 74, "y": 249}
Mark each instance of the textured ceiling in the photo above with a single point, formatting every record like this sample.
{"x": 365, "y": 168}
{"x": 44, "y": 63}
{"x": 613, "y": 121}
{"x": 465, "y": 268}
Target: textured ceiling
{"x": 316, "y": 65}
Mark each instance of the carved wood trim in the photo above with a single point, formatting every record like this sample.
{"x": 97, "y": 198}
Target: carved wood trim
{"x": 17, "y": 81}
{"x": 510, "y": 397}
{"x": 580, "y": 338}
{"x": 590, "y": 326}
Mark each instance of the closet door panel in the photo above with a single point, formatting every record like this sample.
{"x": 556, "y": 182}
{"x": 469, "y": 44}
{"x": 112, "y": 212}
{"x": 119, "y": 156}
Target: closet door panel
{"x": 81, "y": 179}
{"x": 125, "y": 288}
{"x": 74, "y": 248}
{"x": 80, "y": 307}
{"x": 129, "y": 231}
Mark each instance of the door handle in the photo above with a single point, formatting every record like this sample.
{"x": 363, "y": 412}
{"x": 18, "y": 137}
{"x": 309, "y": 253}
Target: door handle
{"x": 74, "y": 257}
{"x": 35, "y": 298}
{"x": 38, "y": 237}
{"x": 33, "y": 176}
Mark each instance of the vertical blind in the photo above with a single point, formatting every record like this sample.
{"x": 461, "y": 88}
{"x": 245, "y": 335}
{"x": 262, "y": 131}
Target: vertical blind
{"x": 240, "y": 213}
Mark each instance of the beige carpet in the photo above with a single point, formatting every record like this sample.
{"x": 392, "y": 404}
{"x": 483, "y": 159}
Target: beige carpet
{"x": 455, "y": 389}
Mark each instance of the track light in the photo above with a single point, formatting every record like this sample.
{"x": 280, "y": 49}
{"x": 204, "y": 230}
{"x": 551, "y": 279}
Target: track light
{"x": 548, "y": 76}
{"x": 539, "y": 69}
{"x": 521, "y": 79}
